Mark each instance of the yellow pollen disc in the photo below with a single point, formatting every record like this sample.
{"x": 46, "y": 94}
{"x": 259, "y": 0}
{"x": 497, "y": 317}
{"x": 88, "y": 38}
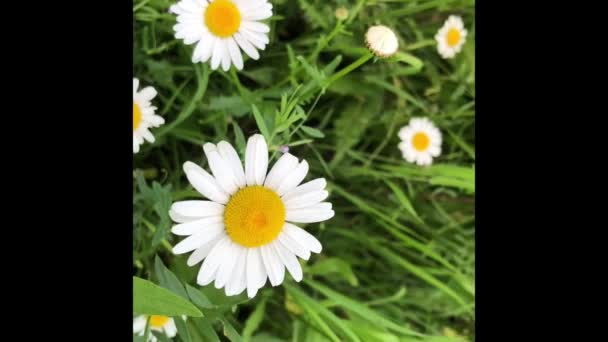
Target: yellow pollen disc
{"x": 136, "y": 116}
{"x": 453, "y": 36}
{"x": 222, "y": 18}
{"x": 254, "y": 216}
{"x": 421, "y": 141}
{"x": 158, "y": 321}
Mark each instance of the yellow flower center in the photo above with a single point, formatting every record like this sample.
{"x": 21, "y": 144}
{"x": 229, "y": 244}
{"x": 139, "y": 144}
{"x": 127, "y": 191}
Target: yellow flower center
{"x": 421, "y": 141}
{"x": 136, "y": 116}
{"x": 254, "y": 216}
{"x": 222, "y": 18}
{"x": 453, "y": 37}
{"x": 158, "y": 321}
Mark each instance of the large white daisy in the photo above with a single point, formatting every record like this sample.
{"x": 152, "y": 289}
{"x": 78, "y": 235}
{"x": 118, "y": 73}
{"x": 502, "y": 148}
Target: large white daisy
{"x": 143, "y": 115}
{"x": 420, "y": 141}
{"x": 451, "y": 37}
{"x": 245, "y": 232}
{"x": 221, "y": 27}
{"x": 164, "y": 324}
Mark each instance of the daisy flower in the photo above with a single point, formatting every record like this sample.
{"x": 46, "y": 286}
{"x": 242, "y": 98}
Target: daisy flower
{"x": 143, "y": 115}
{"x": 382, "y": 41}
{"x": 451, "y": 37}
{"x": 420, "y": 141}
{"x": 163, "y": 324}
{"x": 221, "y": 27}
{"x": 245, "y": 232}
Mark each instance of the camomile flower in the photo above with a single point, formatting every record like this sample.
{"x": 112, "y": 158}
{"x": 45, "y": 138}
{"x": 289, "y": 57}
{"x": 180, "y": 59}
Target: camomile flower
{"x": 381, "y": 41}
{"x": 221, "y": 28}
{"x": 420, "y": 141}
{"x": 163, "y": 324}
{"x": 143, "y": 115}
{"x": 245, "y": 232}
{"x": 451, "y": 37}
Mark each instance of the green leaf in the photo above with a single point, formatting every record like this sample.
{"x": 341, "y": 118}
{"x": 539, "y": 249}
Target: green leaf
{"x": 199, "y": 298}
{"x": 334, "y": 266}
{"x": 241, "y": 144}
{"x": 254, "y": 320}
{"x": 361, "y": 310}
{"x": 312, "y": 307}
{"x": 205, "y": 330}
{"x": 405, "y": 202}
{"x": 151, "y": 299}
{"x": 230, "y": 332}
{"x": 313, "y": 132}
{"x": 167, "y": 279}
{"x": 182, "y": 329}
{"x": 259, "y": 120}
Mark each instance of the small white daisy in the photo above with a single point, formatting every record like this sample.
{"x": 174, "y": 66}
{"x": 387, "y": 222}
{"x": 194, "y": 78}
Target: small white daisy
{"x": 245, "y": 232}
{"x": 382, "y": 41}
{"x": 221, "y": 27}
{"x": 163, "y": 324}
{"x": 143, "y": 115}
{"x": 451, "y": 37}
{"x": 420, "y": 141}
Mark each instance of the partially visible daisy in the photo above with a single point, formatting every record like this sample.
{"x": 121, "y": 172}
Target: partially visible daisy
{"x": 143, "y": 115}
{"x": 420, "y": 141}
{"x": 163, "y": 324}
{"x": 221, "y": 27}
{"x": 245, "y": 232}
{"x": 382, "y": 41}
{"x": 451, "y": 37}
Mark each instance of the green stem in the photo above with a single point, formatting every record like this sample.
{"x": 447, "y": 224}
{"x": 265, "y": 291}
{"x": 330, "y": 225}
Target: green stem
{"x": 325, "y": 41}
{"x": 354, "y": 65}
{"x": 420, "y": 44}
{"x": 202, "y": 77}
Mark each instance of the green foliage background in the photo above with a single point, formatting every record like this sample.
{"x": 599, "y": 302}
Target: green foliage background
{"x": 398, "y": 260}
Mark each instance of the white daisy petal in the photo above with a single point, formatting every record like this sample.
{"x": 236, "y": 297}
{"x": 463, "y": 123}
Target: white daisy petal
{"x": 170, "y": 328}
{"x": 226, "y": 269}
{"x": 303, "y": 237}
{"x": 235, "y": 53}
{"x": 221, "y": 169}
{"x": 229, "y": 154}
{"x": 281, "y": 169}
{"x": 256, "y": 160}
{"x": 204, "y": 183}
{"x": 207, "y": 50}
{"x": 185, "y": 211}
{"x": 258, "y": 14}
{"x": 218, "y": 253}
{"x": 255, "y": 26}
{"x": 201, "y": 253}
{"x": 246, "y": 46}
{"x": 253, "y": 39}
{"x": 139, "y": 324}
{"x": 217, "y": 53}
{"x": 293, "y": 246}
{"x": 316, "y": 213}
{"x": 289, "y": 260}
{"x": 256, "y": 272}
{"x": 293, "y": 179}
{"x": 274, "y": 266}
{"x": 197, "y": 240}
{"x": 313, "y": 185}
{"x": 201, "y": 225}
{"x": 306, "y": 200}
{"x": 225, "y": 55}
{"x": 238, "y": 281}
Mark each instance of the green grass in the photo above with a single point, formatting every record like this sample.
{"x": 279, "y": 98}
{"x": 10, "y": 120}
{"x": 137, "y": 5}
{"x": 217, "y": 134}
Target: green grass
{"x": 398, "y": 258}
